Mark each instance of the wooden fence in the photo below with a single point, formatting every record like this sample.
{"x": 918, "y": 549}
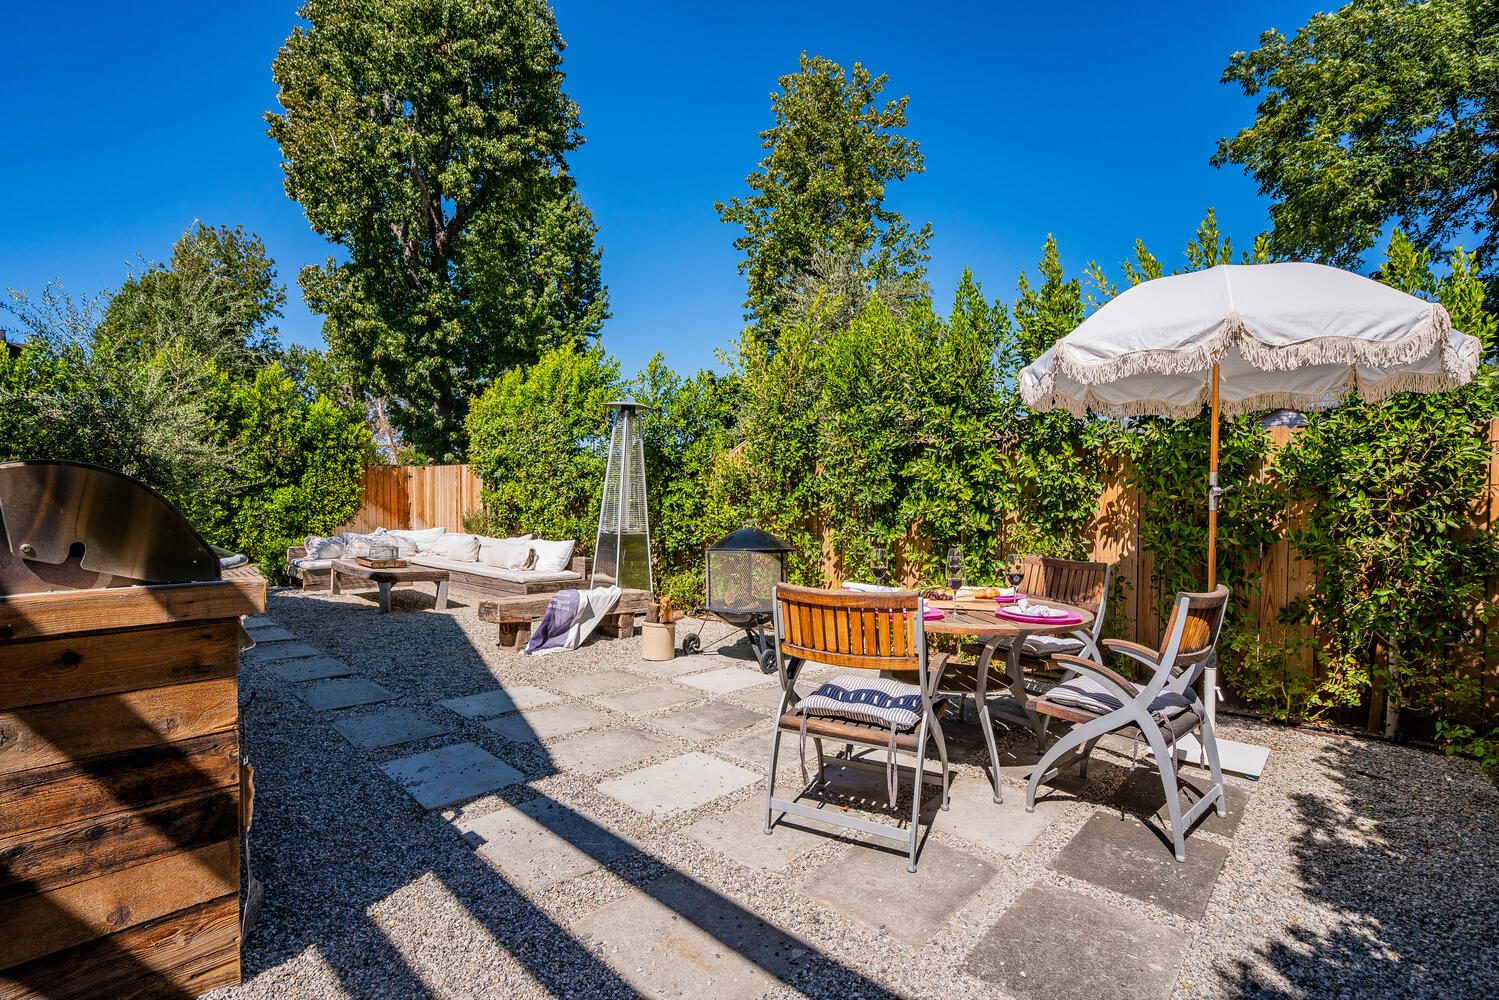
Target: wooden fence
{"x": 417, "y": 496}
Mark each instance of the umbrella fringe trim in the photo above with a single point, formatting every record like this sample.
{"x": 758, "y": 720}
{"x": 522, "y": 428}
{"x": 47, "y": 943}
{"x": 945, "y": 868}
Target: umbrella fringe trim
{"x": 1233, "y": 332}
{"x": 1350, "y": 351}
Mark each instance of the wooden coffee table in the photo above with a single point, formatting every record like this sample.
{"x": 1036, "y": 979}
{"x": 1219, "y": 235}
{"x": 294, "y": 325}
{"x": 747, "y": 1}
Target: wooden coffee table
{"x": 384, "y": 578}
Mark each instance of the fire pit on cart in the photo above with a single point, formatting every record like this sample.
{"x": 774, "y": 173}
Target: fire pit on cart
{"x": 743, "y": 569}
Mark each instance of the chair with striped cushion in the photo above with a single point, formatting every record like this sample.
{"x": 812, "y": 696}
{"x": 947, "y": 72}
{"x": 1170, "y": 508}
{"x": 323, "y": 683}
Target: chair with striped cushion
{"x": 1099, "y": 701}
{"x": 861, "y": 634}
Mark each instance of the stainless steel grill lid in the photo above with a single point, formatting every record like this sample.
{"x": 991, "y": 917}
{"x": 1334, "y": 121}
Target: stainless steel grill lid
{"x": 70, "y": 525}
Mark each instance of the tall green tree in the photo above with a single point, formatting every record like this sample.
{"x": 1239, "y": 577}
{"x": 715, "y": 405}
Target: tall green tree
{"x": 218, "y": 295}
{"x": 818, "y": 197}
{"x": 428, "y": 140}
{"x": 1382, "y": 110}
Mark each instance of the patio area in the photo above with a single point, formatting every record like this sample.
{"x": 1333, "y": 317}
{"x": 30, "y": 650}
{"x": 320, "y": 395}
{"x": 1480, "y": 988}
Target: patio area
{"x": 437, "y": 817}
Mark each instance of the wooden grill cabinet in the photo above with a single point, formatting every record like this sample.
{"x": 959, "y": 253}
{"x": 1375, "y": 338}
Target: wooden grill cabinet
{"x": 119, "y": 741}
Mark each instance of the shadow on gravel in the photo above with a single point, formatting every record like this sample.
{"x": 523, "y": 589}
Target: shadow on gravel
{"x": 1415, "y": 888}
{"x": 336, "y": 841}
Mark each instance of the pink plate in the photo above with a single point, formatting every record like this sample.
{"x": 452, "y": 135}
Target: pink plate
{"x": 934, "y": 615}
{"x": 1009, "y": 600}
{"x": 1015, "y": 616}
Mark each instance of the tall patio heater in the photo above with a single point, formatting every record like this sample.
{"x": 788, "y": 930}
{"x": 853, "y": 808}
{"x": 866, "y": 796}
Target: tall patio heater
{"x": 622, "y": 551}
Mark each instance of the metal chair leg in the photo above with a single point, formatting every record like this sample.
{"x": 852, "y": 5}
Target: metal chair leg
{"x": 770, "y": 780}
{"x": 1215, "y": 771}
{"x": 1166, "y": 764}
{"x": 916, "y": 801}
{"x": 942, "y": 755}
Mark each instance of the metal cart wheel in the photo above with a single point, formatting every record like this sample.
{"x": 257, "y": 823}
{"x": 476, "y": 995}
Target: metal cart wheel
{"x": 692, "y": 644}
{"x": 767, "y": 661}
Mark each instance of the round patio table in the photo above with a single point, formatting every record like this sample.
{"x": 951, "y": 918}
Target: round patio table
{"x": 987, "y": 626}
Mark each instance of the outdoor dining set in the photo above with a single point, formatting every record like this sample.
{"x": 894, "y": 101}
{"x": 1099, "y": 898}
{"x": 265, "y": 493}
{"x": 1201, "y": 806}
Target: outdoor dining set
{"x": 897, "y": 691}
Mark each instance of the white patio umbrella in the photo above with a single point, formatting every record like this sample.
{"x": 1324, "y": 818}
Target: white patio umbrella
{"x": 1245, "y": 338}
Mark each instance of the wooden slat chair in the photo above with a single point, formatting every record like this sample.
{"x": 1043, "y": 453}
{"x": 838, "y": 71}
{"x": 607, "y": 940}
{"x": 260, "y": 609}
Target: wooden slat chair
{"x": 1099, "y": 701}
{"x": 1070, "y": 581}
{"x": 859, "y": 631}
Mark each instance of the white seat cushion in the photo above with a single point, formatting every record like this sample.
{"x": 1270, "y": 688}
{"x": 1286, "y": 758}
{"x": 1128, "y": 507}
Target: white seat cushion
{"x": 460, "y": 548}
{"x": 307, "y": 562}
{"x": 492, "y": 572}
{"x": 421, "y": 538}
{"x": 505, "y": 554}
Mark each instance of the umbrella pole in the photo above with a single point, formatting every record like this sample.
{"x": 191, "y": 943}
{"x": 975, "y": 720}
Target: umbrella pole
{"x": 1213, "y": 486}
{"x": 1210, "y": 672}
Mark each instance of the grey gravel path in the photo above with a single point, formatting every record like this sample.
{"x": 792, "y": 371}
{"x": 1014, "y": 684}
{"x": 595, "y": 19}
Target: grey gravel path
{"x": 1357, "y": 869}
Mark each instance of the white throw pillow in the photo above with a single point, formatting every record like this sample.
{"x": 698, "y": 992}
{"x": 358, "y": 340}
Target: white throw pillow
{"x": 422, "y": 539}
{"x": 551, "y": 557}
{"x": 325, "y": 548}
{"x": 506, "y": 554}
{"x": 459, "y": 548}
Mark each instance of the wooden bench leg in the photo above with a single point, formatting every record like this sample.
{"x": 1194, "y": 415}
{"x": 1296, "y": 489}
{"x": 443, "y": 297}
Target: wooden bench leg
{"x": 514, "y": 633}
{"x": 442, "y": 595}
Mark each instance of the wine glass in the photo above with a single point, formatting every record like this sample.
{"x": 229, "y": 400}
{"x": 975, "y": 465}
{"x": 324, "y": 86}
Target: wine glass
{"x": 879, "y": 563}
{"x": 955, "y": 569}
{"x": 1017, "y": 572}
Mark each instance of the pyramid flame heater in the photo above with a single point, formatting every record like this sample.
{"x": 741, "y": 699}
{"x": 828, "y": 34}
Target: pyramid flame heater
{"x": 622, "y": 550}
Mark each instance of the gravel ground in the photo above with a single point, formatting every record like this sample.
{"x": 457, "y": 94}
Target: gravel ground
{"x": 1359, "y": 869}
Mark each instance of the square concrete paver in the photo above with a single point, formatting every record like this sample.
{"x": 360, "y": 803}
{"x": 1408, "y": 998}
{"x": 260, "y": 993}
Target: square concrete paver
{"x": 1126, "y": 856}
{"x": 679, "y": 784}
{"x": 678, "y": 938}
{"x": 498, "y": 702}
{"x": 1005, "y": 828}
{"x": 442, "y": 777}
{"x": 765, "y": 697}
{"x": 647, "y": 700}
{"x": 871, "y": 885}
{"x": 727, "y": 679}
{"x": 753, "y": 748}
{"x": 1143, "y": 795}
{"x": 739, "y": 835}
{"x": 1058, "y": 943}
{"x": 274, "y": 652}
{"x": 706, "y": 722}
{"x": 386, "y": 729}
{"x": 547, "y": 723}
{"x": 346, "y": 692}
{"x": 313, "y": 669}
{"x": 603, "y": 682}
{"x": 606, "y": 750}
{"x": 269, "y": 633}
{"x": 542, "y": 842}
{"x": 255, "y": 621}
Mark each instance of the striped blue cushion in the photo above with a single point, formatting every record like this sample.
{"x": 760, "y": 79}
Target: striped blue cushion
{"x": 868, "y": 699}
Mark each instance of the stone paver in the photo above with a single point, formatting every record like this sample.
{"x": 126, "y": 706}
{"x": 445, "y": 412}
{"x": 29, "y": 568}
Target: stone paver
{"x": 255, "y": 621}
{"x": 498, "y": 702}
{"x": 273, "y": 652}
{"x": 1005, "y": 828}
{"x": 542, "y": 842}
{"x": 451, "y": 774}
{"x": 1126, "y": 856}
{"x": 677, "y": 938}
{"x": 1054, "y": 942}
{"x": 739, "y": 836}
{"x": 269, "y": 633}
{"x": 601, "y": 682}
{"x": 764, "y": 698}
{"x": 1143, "y": 795}
{"x": 606, "y": 750}
{"x": 313, "y": 669}
{"x": 386, "y": 729}
{"x": 547, "y": 723}
{"x": 647, "y": 700}
{"x": 726, "y": 680}
{"x": 753, "y": 748}
{"x": 679, "y": 784}
{"x": 872, "y": 886}
{"x": 706, "y": 722}
{"x": 346, "y": 692}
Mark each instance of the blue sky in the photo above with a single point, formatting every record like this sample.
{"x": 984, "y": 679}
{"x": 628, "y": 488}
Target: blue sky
{"x": 1090, "y": 121}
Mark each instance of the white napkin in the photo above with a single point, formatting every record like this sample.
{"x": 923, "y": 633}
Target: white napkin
{"x": 868, "y": 588}
{"x": 1025, "y": 607}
